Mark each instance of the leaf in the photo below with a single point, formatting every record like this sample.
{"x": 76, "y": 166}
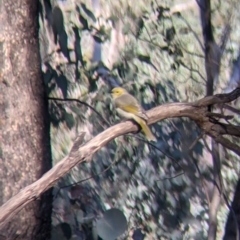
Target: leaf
{"x": 77, "y": 46}
{"x": 126, "y": 28}
{"x": 97, "y": 39}
{"x": 184, "y": 30}
{"x": 88, "y": 12}
{"x": 62, "y": 83}
{"x": 55, "y": 114}
{"x": 165, "y": 48}
{"x": 47, "y": 77}
{"x": 177, "y": 14}
{"x": 61, "y": 231}
{"x": 57, "y": 22}
{"x": 170, "y": 33}
{"x": 146, "y": 59}
{"x": 179, "y": 52}
{"x": 76, "y": 110}
{"x": 66, "y": 230}
{"x": 161, "y": 10}
{"x": 112, "y": 225}
{"x": 69, "y": 119}
{"x": 140, "y": 25}
{"x": 84, "y": 22}
{"x": 63, "y": 42}
{"x": 122, "y": 69}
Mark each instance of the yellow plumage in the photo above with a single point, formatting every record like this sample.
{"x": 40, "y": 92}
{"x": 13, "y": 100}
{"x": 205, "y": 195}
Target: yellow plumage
{"x": 128, "y": 107}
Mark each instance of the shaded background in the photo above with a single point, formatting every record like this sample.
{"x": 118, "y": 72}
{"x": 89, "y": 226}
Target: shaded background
{"x": 160, "y": 51}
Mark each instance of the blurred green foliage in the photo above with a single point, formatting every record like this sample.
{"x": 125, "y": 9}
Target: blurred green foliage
{"x": 156, "y": 53}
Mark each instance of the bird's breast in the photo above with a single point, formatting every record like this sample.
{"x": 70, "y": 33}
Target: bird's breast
{"x": 124, "y": 114}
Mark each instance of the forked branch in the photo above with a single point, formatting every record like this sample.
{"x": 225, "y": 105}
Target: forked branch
{"x": 196, "y": 111}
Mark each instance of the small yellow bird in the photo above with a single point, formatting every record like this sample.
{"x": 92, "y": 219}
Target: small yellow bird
{"x": 128, "y": 107}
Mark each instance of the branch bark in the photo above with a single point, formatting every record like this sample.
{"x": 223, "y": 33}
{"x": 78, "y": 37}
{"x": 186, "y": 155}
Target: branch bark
{"x": 196, "y": 111}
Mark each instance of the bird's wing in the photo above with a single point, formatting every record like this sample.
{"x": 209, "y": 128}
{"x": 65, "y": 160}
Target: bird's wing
{"x": 130, "y": 105}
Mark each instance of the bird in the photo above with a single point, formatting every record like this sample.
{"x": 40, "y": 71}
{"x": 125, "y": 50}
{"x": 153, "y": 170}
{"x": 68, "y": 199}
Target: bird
{"x": 128, "y": 107}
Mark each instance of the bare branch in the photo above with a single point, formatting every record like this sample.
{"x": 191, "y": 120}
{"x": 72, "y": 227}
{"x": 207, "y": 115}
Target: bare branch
{"x": 232, "y": 109}
{"x": 227, "y": 129}
{"x": 80, "y": 152}
{"x": 218, "y": 98}
{"x": 226, "y": 143}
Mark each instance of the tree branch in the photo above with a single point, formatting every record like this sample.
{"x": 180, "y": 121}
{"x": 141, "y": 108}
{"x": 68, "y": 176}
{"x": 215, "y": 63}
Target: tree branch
{"x": 218, "y": 98}
{"x": 197, "y": 111}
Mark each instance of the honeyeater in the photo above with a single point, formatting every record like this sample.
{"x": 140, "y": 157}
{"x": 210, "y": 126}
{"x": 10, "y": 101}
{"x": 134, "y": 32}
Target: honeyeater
{"x": 128, "y": 107}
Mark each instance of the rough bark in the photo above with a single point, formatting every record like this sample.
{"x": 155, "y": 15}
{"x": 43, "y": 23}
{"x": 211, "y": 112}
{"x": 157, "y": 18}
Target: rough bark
{"x": 24, "y": 128}
{"x": 212, "y": 67}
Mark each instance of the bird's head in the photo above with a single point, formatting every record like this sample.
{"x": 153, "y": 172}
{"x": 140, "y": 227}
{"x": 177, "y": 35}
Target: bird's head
{"x": 118, "y": 91}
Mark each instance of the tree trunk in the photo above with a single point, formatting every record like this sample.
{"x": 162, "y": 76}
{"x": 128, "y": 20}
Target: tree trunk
{"x": 232, "y": 227}
{"x": 24, "y": 126}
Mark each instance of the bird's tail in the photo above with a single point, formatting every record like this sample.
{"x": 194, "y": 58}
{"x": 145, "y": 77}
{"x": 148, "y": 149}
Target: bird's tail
{"x": 146, "y": 130}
